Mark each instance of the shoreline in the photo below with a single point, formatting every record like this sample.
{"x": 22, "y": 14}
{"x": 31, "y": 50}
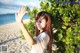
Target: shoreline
{"x": 26, "y": 20}
{"x": 13, "y": 28}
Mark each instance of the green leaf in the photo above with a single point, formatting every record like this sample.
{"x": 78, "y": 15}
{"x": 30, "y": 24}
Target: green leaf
{"x": 78, "y": 19}
{"x": 60, "y": 36}
{"x": 64, "y": 27}
{"x": 66, "y": 19}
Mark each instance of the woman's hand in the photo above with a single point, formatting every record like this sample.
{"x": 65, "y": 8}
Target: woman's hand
{"x": 20, "y": 14}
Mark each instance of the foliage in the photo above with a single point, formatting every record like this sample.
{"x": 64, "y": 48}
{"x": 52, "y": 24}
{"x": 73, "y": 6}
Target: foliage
{"x": 65, "y": 18}
{"x": 30, "y": 28}
{"x": 27, "y": 8}
{"x": 32, "y": 13}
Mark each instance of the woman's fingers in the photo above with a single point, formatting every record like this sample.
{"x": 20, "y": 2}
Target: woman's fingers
{"x": 20, "y": 14}
{"x": 23, "y": 10}
{"x": 18, "y": 11}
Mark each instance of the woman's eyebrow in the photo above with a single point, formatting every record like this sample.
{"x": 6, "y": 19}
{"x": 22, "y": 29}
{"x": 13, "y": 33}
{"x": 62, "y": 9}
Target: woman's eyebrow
{"x": 42, "y": 18}
{"x": 39, "y": 19}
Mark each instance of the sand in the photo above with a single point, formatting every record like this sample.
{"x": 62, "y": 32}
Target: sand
{"x": 10, "y": 36}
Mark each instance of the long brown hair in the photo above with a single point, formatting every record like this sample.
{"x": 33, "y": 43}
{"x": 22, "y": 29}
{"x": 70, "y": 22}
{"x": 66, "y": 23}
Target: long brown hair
{"x": 48, "y": 27}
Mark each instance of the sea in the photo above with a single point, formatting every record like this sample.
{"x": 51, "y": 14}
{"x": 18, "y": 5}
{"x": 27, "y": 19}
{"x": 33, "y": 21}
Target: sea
{"x": 10, "y": 18}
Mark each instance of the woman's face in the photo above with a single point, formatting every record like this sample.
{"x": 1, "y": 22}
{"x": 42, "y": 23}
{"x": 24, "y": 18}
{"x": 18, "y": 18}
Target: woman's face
{"x": 41, "y": 23}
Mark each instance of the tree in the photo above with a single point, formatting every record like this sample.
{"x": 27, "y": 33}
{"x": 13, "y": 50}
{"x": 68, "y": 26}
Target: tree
{"x": 66, "y": 19}
{"x": 27, "y": 8}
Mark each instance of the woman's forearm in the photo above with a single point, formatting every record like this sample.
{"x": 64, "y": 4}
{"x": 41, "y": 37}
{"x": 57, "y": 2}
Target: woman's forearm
{"x": 27, "y": 36}
{"x": 19, "y": 17}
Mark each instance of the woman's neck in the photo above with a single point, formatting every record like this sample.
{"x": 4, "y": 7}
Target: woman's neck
{"x": 41, "y": 31}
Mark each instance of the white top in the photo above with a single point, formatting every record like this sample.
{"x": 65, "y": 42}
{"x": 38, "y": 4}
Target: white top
{"x": 42, "y": 42}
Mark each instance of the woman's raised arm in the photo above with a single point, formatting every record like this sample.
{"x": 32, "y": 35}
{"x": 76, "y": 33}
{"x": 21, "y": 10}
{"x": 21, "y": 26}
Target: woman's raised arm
{"x": 19, "y": 17}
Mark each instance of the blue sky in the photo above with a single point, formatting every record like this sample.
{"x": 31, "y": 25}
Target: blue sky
{"x": 12, "y": 6}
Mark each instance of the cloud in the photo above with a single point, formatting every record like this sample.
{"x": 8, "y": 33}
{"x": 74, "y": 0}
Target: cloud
{"x": 6, "y": 11}
{"x": 34, "y": 4}
{"x": 6, "y": 1}
{"x": 20, "y": 3}
{"x": 11, "y": 6}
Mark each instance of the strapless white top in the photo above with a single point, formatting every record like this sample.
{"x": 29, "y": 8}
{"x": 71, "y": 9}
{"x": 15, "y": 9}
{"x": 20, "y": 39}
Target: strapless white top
{"x": 42, "y": 42}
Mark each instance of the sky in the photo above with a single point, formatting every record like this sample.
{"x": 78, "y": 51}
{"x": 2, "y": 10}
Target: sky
{"x": 12, "y": 6}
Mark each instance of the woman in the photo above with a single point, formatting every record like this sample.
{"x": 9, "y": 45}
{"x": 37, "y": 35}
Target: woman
{"x": 43, "y": 40}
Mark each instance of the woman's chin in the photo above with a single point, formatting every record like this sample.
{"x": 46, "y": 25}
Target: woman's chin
{"x": 39, "y": 29}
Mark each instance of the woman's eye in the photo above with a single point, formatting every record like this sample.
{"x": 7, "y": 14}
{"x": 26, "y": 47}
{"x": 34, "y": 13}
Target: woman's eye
{"x": 39, "y": 21}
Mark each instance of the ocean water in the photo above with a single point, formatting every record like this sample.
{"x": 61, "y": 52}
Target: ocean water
{"x": 9, "y": 18}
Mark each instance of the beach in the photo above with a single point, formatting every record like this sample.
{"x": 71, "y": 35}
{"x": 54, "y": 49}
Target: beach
{"x": 11, "y": 37}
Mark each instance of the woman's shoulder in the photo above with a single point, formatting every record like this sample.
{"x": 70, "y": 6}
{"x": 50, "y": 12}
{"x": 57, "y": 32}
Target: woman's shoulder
{"x": 44, "y": 34}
